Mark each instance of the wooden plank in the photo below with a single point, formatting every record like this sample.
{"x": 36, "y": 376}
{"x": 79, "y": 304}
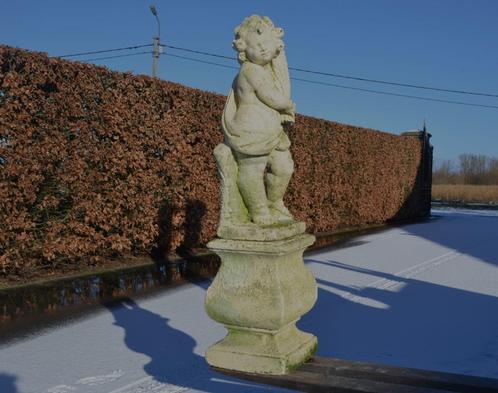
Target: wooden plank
{"x": 399, "y": 375}
{"x": 343, "y": 376}
{"x": 318, "y": 383}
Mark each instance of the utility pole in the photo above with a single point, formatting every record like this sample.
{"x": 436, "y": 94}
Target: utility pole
{"x": 156, "y": 42}
{"x": 155, "y": 55}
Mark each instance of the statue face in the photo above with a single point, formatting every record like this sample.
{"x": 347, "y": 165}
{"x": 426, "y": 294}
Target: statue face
{"x": 261, "y": 47}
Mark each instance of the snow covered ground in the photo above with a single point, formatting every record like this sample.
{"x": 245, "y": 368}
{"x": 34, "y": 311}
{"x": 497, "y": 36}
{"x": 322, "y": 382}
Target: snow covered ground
{"x": 423, "y": 295}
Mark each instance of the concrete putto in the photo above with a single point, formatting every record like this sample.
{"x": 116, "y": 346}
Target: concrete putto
{"x": 262, "y": 287}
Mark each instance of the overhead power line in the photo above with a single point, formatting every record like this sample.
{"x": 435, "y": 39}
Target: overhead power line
{"x": 201, "y": 61}
{"x": 347, "y": 76}
{"x": 394, "y": 94}
{"x": 394, "y": 83}
{"x": 293, "y": 78}
{"x": 104, "y": 51}
{"x": 346, "y": 87}
{"x": 116, "y": 56}
{"x": 199, "y": 52}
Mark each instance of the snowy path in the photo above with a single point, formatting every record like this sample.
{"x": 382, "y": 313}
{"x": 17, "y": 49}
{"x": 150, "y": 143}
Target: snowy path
{"x": 422, "y": 295}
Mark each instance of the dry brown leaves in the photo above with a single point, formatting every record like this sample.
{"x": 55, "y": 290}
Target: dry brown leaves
{"x": 95, "y": 163}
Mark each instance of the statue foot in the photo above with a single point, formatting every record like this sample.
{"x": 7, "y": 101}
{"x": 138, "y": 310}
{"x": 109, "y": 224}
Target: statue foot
{"x": 279, "y": 208}
{"x": 282, "y": 219}
{"x": 263, "y": 217}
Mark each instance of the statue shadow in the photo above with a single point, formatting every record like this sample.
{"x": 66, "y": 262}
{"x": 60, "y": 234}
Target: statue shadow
{"x": 405, "y": 322}
{"x": 8, "y": 383}
{"x": 195, "y": 210}
{"x": 171, "y": 351}
{"x": 162, "y": 248}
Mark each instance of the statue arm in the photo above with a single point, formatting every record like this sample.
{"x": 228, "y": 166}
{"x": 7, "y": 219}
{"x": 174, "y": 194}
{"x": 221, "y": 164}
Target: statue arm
{"x": 266, "y": 90}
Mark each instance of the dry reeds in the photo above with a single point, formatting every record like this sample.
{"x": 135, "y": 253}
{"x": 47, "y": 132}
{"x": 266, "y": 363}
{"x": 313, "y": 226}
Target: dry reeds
{"x": 465, "y": 193}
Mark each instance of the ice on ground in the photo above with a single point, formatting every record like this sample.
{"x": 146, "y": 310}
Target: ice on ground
{"x": 423, "y": 295}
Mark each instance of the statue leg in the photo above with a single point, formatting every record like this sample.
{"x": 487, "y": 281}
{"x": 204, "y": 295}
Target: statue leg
{"x": 252, "y": 187}
{"x": 233, "y": 209}
{"x": 282, "y": 167}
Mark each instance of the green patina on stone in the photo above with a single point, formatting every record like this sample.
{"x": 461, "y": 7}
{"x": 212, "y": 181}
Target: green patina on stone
{"x": 259, "y": 293}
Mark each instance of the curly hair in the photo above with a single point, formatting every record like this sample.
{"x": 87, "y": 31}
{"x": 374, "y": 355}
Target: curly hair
{"x": 258, "y": 24}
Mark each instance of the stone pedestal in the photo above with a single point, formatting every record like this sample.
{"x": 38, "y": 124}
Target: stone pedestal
{"x": 259, "y": 293}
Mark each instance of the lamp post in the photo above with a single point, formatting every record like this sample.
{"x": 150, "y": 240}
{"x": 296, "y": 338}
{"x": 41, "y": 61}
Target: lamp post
{"x": 155, "y": 42}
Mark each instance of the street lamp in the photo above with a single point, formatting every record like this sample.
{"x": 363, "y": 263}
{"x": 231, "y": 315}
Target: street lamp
{"x": 153, "y": 9}
{"x": 156, "y": 47}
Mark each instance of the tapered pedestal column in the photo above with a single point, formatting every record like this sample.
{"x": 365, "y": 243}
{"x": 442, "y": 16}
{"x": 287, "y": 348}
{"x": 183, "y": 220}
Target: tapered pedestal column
{"x": 260, "y": 291}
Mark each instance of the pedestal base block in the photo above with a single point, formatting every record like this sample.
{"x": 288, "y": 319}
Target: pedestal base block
{"x": 262, "y": 352}
{"x": 260, "y": 291}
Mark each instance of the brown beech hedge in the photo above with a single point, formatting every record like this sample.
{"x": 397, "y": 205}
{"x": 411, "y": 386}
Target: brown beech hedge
{"x": 96, "y": 164}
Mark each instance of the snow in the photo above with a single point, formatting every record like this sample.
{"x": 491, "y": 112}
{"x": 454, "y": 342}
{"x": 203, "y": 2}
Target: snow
{"x": 423, "y": 295}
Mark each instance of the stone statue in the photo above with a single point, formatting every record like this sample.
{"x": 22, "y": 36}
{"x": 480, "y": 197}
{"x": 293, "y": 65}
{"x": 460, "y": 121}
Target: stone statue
{"x": 263, "y": 286}
{"x": 255, "y": 162}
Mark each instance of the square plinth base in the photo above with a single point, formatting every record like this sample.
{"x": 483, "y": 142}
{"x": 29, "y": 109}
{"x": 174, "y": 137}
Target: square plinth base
{"x": 262, "y": 351}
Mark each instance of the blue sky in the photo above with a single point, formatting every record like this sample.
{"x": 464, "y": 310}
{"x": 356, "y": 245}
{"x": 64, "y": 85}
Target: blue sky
{"x": 443, "y": 43}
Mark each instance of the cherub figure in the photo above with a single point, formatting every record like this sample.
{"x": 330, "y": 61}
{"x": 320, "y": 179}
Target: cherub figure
{"x": 257, "y": 108}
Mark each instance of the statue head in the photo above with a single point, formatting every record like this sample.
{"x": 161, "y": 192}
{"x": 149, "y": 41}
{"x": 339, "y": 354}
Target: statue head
{"x": 258, "y": 40}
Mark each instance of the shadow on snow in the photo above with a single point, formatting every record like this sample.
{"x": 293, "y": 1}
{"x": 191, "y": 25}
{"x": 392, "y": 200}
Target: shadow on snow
{"x": 470, "y": 233}
{"x": 406, "y": 322}
{"x": 8, "y": 383}
{"x": 171, "y": 351}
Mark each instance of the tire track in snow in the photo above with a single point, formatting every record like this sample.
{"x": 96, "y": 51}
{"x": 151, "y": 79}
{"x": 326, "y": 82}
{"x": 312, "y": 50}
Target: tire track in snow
{"x": 100, "y": 379}
{"x": 150, "y": 385}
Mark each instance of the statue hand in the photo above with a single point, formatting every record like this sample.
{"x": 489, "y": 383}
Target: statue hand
{"x": 291, "y": 109}
{"x": 288, "y": 119}
{"x": 288, "y": 115}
